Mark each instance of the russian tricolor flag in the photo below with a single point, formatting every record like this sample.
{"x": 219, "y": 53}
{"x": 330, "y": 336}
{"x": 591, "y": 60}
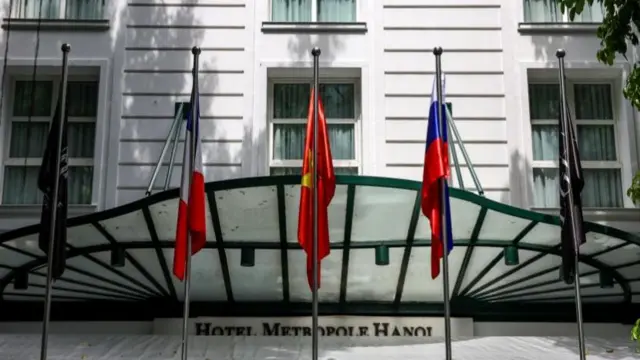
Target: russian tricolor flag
{"x": 436, "y": 171}
{"x": 191, "y": 208}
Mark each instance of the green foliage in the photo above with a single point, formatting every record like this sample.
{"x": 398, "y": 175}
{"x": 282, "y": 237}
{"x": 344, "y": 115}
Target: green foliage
{"x": 634, "y": 190}
{"x": 635, "y": 331}
{"x": 618, "y": 29}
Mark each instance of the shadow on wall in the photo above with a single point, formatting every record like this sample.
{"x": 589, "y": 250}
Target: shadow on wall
{"x": 23, "y": 41}
{"x": 300, "y": 46}
{"x": 545, "y": 47}
{"x": 603, "y": 349}
{"x": 157, "y": 74}
{"x": 518, "y": 169}
{"x": 579, "y": 48}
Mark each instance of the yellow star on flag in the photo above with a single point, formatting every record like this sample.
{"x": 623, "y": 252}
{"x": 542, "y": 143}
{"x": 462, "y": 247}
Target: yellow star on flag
{"x": 307, "y": 180}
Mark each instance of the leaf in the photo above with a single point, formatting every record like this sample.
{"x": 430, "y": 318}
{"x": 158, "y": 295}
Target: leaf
{"x": 634, "y": 191}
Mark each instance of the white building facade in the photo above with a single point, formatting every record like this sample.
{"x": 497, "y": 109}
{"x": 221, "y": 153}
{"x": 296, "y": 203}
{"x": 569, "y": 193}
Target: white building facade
{"x": 130, "y": 73}
{"x": 130, "y": 69}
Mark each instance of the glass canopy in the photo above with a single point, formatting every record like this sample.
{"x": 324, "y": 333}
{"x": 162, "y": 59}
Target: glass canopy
{"x": 502, "y": 254}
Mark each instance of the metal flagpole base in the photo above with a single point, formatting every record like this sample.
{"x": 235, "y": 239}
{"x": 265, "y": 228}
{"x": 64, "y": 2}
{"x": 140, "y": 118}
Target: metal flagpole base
{"x": 187, "y": 291}
{"x": 579, "y": 317}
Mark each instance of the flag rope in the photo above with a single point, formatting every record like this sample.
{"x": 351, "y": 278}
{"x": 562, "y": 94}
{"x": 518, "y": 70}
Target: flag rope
{"x": 6, "y": 57}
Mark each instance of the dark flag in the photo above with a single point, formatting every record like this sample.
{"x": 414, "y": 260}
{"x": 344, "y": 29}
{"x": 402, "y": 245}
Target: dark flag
{"x": 46, "y": 185}
{"x": 571, "y": 184}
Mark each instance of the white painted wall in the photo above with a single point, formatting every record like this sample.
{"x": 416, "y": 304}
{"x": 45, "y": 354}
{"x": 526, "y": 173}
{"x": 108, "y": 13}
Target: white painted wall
{"x": 95, "y": 52}
{"x": 550, "y": 329}
{"x": 72, "y": 327}
{"x": 157, "y": 73}
{"x": 479, "y": 328}
{"x": 470, "y": 31}
{"x": 146, "y": 55}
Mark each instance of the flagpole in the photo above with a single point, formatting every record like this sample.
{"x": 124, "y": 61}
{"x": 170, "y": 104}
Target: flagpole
{"x": 314, "y": 168}
{"x": 437, "y": 51}
{"x": 576, "y": 272}
{"x": 66, "y": 48}
{"x": 192, "y": 146}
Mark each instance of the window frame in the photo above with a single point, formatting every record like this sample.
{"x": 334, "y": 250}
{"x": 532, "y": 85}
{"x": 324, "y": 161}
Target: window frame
{"x": 19, "y": 8}
{"x": 564, "y": 17}
{"x": 314, "y": 13}
{"x": 31, "y": 162}
{"x": 571, "y": 104}
{"x": 354, "y": 163}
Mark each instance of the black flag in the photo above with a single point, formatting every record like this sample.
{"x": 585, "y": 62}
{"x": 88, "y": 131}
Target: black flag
{"x": 48, "y": 172}
{"x": 571, "y": 184}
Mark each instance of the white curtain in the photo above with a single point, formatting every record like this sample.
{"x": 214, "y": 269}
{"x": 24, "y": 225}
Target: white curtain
{"x": 591, "y": 14}
{"x": 84, "y": 9}
{"x": 548, "y": 11}
{"x": 52, "y": 9}
{"x": 542, "y": 11}
{"x": 28, "y": 140}
{"x": 291, "y": 102}
{"x": 291, "y": 10}
{"x": 30, "y": 9}
{"x": 596, "y": 143}
{"x": 336, "y": 10}
{"x": 301, "y": 10}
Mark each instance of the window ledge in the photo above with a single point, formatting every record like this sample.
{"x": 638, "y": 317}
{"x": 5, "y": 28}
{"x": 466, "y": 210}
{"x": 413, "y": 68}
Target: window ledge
{"x": 56, "y": 24}
{"x": 560, "y": 28}
{"x": 314, "y": 27}
{"x": 600, "y": 214}
{"x": 31, "y": 211}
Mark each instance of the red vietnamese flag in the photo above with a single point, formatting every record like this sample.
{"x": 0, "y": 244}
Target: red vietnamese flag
{"x": 326, "y": 190}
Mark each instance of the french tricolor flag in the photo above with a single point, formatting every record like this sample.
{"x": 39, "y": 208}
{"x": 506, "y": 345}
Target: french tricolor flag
{"x": 191, "y": 208}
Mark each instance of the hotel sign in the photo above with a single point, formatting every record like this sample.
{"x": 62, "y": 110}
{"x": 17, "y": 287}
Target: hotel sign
{"x": 329, "y": 327}
{"x": 278, "y": 328}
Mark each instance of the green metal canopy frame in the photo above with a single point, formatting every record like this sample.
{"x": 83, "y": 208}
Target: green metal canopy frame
{"x": 504, "y": 266}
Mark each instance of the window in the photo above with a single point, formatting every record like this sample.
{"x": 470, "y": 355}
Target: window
{"x": 548, "y": 11}
{"x": 27, "y": 139}
{"x": 186, "y": 109}
{"x": 591, "y": 109}
{"x": 302, "y": 11}
{"x": 58, "y": 9}
{"x": 288, "y": 114}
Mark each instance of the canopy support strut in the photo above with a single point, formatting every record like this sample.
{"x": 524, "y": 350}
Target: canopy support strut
{"x": 465, "y": 155}
{"x": 172, "y": 139}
